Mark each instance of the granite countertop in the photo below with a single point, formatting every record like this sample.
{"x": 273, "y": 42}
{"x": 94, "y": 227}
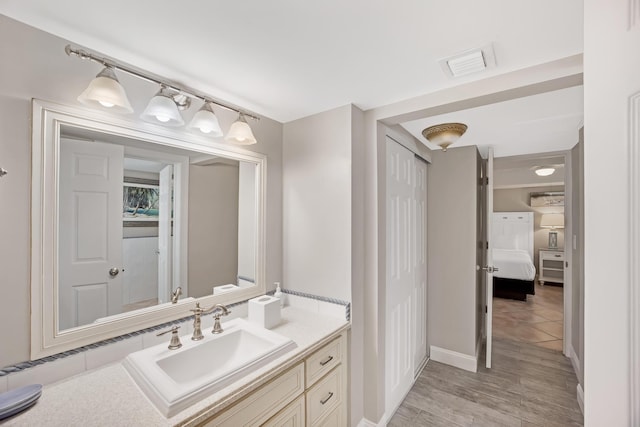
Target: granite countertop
{"x": 109, "y": 396}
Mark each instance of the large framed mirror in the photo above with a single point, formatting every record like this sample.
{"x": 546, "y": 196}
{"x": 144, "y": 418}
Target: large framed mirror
{"x": 124, "y": 214}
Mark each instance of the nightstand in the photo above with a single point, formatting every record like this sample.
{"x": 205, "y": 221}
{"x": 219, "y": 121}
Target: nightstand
{"x": 551, "y": 266}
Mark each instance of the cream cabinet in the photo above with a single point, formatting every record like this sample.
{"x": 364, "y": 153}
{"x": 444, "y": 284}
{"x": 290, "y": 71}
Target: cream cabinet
{"x": 551, "y": 266}
{"x": 313, "y": 393}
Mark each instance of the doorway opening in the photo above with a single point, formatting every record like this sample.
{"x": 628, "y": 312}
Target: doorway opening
{"x": 537, "y": 315}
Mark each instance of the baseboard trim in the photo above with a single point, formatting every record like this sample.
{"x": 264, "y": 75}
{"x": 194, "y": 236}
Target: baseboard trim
{"x": 580, "y": 394}
{"x": 366, "y": 423}
{"x": 420, "y": 368}
{"x": 575, "y": 361}
{"x": 453, "y": 358}
{"x": 478, "y": 349}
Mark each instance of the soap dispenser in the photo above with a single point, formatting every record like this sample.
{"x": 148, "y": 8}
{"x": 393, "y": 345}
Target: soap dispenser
{"x": 278, "y": 294}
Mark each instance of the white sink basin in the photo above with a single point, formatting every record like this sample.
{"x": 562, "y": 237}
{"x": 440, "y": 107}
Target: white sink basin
{"x": 176, "y": 379}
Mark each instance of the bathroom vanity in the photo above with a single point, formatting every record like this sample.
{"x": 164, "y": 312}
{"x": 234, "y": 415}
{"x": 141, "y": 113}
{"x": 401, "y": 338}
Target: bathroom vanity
{"x": 307, "y": 386}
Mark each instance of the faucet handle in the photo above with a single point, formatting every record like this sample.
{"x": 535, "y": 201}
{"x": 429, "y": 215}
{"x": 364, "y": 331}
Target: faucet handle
{"x": 223, "y": 311}
{"x": 175, "y": 339}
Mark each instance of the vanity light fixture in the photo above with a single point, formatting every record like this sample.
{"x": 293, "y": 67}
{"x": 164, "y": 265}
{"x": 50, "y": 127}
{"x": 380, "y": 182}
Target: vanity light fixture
{"x": 205, "y": 121}
{"x": 164, "y": 107}
{"x": 240, "y": 132}
{"x": 544, "y": 170}
{"x": 105, "y": 91}
{"x": 444, "y": 134}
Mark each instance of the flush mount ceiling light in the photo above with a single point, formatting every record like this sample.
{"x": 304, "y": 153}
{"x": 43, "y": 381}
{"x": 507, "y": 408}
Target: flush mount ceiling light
{"x": 164, "y": 107}
{"x": 240, "y": 132}
{"x": 544, "y": 170}
{"x": 444, "y": 134}
{"x": 106, "y": 91}
{"x": 205, "y": 121}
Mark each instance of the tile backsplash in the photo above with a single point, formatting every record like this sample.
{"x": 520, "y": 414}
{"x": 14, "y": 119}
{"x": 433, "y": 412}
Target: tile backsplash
{"x": 67, "y": 364}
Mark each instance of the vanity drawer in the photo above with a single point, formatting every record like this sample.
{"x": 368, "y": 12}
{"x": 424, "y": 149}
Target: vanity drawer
{"x": 324, "y": 397}
{"x": 263, "y": 403}
{"x": 291, "y": 416}
{"x": 324, "y": 360}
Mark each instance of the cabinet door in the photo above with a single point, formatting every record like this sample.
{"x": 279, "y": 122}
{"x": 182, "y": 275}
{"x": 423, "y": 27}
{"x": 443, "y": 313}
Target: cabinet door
{"x": 291, "y": 416}
{"x": 265, "y": 402}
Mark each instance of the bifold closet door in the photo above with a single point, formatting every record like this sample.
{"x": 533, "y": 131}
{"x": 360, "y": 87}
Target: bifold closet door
{"x": 405, "y": 303}
{"x": 420, "y": 263}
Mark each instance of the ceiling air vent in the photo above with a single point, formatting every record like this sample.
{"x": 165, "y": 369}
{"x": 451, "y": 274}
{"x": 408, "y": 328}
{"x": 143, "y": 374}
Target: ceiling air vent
{"x": 468, "y": 62}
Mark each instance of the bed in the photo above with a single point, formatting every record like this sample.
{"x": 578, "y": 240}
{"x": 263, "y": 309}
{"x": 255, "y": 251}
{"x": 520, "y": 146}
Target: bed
{"x": 512, "y": 234}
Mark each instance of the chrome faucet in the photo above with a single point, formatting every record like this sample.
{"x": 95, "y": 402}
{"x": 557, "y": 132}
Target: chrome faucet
{"x": 176, "y": 294}
{"x": 219, "y": 309}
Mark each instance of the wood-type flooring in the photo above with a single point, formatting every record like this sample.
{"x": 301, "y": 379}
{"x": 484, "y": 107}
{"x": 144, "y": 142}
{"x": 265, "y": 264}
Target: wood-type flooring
{"x": 530, "y": 384}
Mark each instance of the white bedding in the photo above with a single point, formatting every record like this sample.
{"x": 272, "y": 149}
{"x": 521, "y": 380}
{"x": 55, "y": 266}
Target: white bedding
{"x": 513, "y": 264}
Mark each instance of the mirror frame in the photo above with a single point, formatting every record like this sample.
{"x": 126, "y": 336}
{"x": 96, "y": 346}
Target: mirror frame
{"x": 47, "y": 117}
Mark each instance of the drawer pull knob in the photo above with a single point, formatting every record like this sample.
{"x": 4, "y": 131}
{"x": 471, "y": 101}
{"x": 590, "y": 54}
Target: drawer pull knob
{"x": 325, "y": 361}
{"x": 557, "y": 256}
{"x": 326, "y": 399}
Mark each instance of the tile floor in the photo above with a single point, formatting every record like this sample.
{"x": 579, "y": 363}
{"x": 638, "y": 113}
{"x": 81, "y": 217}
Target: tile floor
{"x": 537, "y": 321}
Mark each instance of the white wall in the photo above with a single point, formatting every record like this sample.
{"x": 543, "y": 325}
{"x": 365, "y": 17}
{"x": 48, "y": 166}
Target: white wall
{"x": 611, "y": 64}
{"x": 139, "y": 269}
{"x": 316, "y": 188}
{"x": 35, "y": 66}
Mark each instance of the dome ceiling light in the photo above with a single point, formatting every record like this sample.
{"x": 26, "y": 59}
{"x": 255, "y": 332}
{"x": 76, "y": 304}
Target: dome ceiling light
{"x": 544, "y": 170}
{"x": 444, "y": 134}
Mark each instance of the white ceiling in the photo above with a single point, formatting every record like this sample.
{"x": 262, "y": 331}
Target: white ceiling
{"x": 518, "y": 172}
{"x": 287, "y": 59}
{"x": 536, "y": 124}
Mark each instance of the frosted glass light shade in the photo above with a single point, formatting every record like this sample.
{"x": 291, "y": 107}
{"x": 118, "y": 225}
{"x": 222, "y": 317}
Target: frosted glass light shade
{"x": 106, "y": 92}
{"x": 240, "y": 132}
{"x": 163, "y": 110}
{"x": 205, "y": 121}
{"x": 445, "y": 134}
{"x": 545, "y": 171}
{"x": 552, "y": 220}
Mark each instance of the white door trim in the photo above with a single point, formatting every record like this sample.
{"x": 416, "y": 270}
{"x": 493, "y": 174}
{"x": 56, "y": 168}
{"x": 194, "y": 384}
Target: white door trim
{"x": 568, "y": 256}
{"x": 634, "y": 259}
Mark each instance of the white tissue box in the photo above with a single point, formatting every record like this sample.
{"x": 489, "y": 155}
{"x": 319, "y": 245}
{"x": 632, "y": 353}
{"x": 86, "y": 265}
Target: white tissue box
{"x": 265, "y": 311}
{"x": 223, "y": 289}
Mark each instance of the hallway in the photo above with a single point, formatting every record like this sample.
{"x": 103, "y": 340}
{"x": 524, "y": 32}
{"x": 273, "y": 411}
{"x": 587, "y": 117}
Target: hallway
{"x": 528, "y": 386}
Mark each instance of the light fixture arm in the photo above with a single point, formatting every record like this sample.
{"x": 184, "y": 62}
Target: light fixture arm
{"x": 82, "y": 54}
